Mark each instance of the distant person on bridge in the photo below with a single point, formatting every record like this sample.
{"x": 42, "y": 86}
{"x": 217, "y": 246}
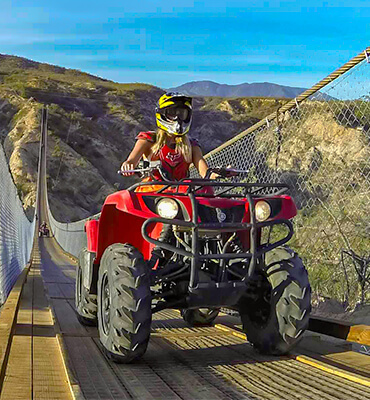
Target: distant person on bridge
{"x": 170, "y": 143}
{"x": 43, "y": 229}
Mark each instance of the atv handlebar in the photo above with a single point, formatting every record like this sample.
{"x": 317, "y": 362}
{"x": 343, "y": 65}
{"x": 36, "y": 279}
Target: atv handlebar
{"x": 147, "y": 167}
{"x": 135, "y": 171}
{"x": 225, "y": 172}
{"x": 144, "y": 167}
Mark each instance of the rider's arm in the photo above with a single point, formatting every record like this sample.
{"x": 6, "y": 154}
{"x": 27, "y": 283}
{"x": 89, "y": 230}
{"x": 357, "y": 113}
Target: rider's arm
{"x": 199, "y": 162}
{"x": 141, "y": 147}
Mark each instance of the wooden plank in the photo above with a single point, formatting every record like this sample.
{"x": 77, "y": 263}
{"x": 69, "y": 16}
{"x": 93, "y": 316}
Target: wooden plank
{"x": 18, "y": 376}
{"x": 8, "y": 319}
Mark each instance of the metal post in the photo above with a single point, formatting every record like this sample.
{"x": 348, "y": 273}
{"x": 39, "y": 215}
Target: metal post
{"x": 43, "y": 116}
{"x": 253, "y": 235}
{"x": 194, "y": 243}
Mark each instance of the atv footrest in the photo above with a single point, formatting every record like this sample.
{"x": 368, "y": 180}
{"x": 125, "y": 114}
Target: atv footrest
{"x": 212, "y": 294}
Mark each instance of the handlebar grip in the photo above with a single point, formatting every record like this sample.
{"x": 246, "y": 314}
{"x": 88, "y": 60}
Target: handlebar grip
{"x": 129, "y": 171}
{"x": 134, "y": 171}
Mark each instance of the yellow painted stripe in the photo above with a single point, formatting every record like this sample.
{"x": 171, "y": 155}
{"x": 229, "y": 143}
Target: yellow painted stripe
{"x": 62, "y": 355}
{"x": 333, "y": 371}
{"x": 232, "y": 331}
{"x": 309, "y": 361}
{"x": 223, "y": 328}
{"x": 359, "y": 334}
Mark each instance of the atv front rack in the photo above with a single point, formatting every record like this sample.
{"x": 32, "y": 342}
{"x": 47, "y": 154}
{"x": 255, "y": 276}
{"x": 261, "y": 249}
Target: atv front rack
{"x": 194, "y": 185}
{"x": 202, "y": 290}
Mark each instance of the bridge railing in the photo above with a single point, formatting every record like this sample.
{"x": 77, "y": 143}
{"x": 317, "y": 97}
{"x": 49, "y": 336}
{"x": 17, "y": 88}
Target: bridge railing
{"x": 70, "y": 236}
{"x": 319, "y": 143}
{"x": 16, "y": 231}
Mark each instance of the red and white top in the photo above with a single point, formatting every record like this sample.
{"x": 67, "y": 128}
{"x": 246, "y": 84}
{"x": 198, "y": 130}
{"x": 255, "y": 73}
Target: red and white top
{"x": 173, "y": 162}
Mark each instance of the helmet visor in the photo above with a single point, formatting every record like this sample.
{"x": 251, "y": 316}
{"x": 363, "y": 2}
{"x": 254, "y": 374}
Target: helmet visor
{"x": 177, "y": 113}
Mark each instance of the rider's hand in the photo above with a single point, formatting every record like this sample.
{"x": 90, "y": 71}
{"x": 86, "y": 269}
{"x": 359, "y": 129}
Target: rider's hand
{"x": 214, "y": 175}
{"x": 126, "y": 166}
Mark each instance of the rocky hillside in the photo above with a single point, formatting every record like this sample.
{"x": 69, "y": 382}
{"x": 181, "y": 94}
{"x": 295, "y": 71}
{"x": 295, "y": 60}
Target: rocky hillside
{"x": 92, "y": 127}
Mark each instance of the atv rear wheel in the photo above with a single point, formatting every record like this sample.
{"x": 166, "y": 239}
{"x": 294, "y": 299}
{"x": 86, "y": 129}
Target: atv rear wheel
{"x": 86, "y": 303}
{"x": 124, "y": 303}
{"x": 200, "y": 316}
{"x": 275, "y": 312}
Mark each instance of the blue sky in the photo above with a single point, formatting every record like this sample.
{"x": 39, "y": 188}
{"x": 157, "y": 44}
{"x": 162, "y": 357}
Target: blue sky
{"x": 167, "y": 43}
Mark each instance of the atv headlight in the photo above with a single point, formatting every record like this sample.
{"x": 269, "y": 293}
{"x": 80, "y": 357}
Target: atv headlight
{"x": 262, "y": 210}
{"x": 167, "y": 208}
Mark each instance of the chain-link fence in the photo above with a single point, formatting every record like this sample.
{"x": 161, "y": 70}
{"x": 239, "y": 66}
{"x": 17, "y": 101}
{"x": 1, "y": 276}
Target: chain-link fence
{"x": 16, "y": 232}
{"x": 70, "y": 236}
{"x": 319, "y": 143}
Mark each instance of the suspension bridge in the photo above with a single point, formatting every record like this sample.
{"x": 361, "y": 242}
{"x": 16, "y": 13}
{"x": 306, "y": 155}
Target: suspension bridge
{"x": 45, "y": 353}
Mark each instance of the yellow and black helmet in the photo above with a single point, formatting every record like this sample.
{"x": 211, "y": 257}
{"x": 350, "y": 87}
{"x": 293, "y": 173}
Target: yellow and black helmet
{"x": 174, "y": 113}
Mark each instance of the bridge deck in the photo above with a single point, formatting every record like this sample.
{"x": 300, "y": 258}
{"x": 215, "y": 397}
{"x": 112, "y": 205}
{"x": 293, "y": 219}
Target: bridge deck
{"x": 181, "y": 362}
{"x": 35, "y": 368}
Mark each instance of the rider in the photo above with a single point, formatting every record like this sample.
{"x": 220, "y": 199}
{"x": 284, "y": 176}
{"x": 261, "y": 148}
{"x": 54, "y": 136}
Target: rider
{"x": 170, "y": 143}
{"x": 43, "y": 228}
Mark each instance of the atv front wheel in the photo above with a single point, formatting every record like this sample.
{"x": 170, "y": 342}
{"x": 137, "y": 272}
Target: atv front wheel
{"x": 86, "y": 303}
{"x": 275, "y": 311}
{"x": 200, "y": 316}
{"x": 124, "y": 303}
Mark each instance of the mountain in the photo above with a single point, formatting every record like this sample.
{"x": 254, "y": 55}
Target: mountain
{"x": 265, "y": 89}
{"x": 92, "y": 127}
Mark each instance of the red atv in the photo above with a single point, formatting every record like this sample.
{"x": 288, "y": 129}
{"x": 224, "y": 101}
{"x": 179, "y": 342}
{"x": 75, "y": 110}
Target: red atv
{"x": 167, "y": 244}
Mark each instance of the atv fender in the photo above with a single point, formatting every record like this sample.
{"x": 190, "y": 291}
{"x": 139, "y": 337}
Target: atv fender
{"x": 91, "y": 229}
{"x": 87, "y": 260}
{"x": 121, "y": 220}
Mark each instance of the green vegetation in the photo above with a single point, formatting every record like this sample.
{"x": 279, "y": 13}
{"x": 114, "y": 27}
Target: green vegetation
{"x": 81, "y": 162}
{"x": 20, "y": 114}
{"x": 24, "y": 186}
{"x": 57, "y": 151}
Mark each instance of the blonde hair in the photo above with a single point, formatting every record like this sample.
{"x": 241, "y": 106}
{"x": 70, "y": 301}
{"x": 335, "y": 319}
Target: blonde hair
{"x": 183, "y": 145}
